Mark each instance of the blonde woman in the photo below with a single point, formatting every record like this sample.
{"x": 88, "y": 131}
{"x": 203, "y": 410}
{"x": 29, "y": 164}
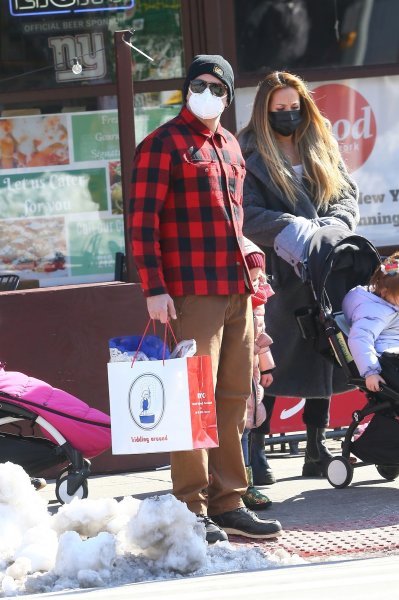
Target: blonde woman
{"x": 296, "y": 182}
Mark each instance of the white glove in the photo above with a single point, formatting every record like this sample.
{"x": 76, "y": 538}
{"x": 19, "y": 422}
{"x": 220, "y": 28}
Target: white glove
{"x": 331, "y": 221}
{"x": 290, "y": 244}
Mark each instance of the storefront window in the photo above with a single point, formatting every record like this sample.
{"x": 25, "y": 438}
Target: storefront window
{"x": 39, "y": 41}
{"x": 289, "y": 34}
{"x": 61, "y": 210}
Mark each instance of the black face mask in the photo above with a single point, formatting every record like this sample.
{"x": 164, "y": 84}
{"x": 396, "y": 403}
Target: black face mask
{"x": 285, "y": 122}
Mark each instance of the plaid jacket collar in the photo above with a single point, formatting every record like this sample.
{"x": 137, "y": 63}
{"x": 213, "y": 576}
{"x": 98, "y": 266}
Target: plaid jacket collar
{"x": 192, "y": 121}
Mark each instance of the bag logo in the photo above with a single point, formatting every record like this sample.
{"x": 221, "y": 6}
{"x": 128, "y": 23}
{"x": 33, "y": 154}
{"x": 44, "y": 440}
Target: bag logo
{"x": 218, "y": 71}
{"x": 147, "y": 401}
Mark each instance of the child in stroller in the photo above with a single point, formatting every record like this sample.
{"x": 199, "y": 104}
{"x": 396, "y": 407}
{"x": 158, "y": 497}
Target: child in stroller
{"x": 336, "y": 262}
{"x": 373, "y": 315}
{"x": 73, "y": 432}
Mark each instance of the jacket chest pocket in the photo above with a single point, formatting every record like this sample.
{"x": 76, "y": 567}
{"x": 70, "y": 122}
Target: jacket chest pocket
{"x": 200, "y": 176}
{"x": 235, "y": 179}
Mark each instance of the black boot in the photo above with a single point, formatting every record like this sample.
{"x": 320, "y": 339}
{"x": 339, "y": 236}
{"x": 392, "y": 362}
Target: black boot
{"x": 312, "y": 466}
{"x": 317, "y": 456}
{"x": 261, "y": 470}
{"x": 325, "y": 454}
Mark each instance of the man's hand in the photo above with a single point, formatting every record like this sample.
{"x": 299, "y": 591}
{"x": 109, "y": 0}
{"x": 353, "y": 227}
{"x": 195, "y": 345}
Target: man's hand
{"x": 161, "y": 308}
{"x": 373, "y": 382}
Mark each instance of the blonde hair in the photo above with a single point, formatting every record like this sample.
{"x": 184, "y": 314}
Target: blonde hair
{"x": 318, "y": 149}
{"x": 386, "y": 277}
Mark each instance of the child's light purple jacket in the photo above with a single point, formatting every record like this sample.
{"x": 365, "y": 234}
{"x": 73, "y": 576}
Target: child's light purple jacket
{"x": 89, "y": 439}
{"x": 374, "y": 328}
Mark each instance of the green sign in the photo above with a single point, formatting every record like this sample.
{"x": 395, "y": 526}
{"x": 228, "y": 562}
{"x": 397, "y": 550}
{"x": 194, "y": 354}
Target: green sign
{"x": 95, "y": 136}
{"x": 93, "y": 244}
{"x": 53, "y": 193}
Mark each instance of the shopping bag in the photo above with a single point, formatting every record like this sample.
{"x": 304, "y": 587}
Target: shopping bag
{"x": 162, "y": 405}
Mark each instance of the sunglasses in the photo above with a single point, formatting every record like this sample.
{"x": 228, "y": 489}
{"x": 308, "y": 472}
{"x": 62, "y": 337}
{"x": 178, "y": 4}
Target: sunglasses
{"x": 197, "y": 86}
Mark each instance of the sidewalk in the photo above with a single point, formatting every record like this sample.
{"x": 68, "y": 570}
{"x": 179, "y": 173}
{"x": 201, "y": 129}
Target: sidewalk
{"x": 320, "y": 523}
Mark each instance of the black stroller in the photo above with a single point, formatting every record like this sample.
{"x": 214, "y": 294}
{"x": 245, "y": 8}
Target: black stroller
{"x": 337, "y": 261}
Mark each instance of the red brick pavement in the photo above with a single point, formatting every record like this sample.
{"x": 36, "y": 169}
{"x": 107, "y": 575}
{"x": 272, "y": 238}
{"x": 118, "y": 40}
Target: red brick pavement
{"x": 362, "y": 538}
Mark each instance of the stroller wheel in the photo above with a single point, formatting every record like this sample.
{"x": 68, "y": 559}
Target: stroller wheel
{"x": 61, "y": 488}
{"x": 388, "y": 472}
{"x": 339, "y": 472}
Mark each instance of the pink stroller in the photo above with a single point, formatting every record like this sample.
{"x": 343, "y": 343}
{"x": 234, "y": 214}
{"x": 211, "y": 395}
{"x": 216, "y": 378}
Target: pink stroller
{"x": 72, "y": 430}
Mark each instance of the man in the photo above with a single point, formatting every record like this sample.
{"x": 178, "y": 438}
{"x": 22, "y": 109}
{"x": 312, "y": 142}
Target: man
{"x": 186, "y": 233}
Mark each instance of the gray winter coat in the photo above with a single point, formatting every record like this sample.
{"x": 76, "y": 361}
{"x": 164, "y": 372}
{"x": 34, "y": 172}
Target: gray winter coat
{"x": 300, "y": 371}
{"x": 374, "y": 328}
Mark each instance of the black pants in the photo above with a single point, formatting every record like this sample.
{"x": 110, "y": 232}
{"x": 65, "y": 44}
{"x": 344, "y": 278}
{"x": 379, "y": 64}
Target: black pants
{"x": 390, "y": 373}
{"x": 390, "y": 369}
{"x": 316, "y": 412}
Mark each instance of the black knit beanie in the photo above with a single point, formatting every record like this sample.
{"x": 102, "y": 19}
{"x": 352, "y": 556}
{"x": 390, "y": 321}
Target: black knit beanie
{"x": 213, "y": 64}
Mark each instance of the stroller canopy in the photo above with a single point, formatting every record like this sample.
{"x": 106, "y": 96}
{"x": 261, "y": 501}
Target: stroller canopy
{"x": 338, "y": 260}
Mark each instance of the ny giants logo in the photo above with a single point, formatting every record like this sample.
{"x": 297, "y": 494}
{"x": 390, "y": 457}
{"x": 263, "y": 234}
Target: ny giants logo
{"x": 352, "y": 119}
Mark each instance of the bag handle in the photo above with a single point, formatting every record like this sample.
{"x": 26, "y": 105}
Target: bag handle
{"x": 168, "y": 328}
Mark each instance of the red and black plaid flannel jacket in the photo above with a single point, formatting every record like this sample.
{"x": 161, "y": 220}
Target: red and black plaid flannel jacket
{"x": 185, "y": 217}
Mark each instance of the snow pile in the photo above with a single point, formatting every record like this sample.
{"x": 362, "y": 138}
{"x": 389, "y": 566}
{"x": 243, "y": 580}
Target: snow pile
{"x": 103, "y": 543}
{"x": 25, "y": 523}
{"x": 169, "y": 534}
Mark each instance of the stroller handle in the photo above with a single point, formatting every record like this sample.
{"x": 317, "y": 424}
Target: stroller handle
{"x": 360, "y": 383}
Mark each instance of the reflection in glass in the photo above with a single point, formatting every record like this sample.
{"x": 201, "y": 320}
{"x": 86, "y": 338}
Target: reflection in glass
{"x": 40, "y": 51}
{"x": 153, "y": 109}
{"x": 289, "y": 34}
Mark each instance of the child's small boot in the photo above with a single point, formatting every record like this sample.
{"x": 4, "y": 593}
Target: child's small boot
{"x": 253, "y": 498}
{"x": 261, "y": 470}
{"x": 317, "y": 456}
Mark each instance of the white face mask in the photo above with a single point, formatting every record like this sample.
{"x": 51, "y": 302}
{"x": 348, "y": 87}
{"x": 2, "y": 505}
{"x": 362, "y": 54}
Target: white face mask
{"x": 206, "y": 105}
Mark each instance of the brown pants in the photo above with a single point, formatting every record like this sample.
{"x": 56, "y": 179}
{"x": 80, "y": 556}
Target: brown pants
{"x": 223, "y": 328}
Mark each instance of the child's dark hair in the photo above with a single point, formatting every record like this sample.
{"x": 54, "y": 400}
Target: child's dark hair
{"x": 386, "y": 277}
